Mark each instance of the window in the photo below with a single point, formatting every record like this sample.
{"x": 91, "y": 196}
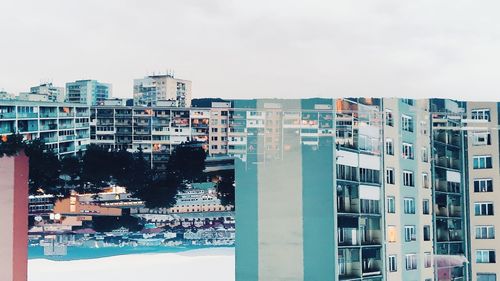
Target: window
{"x": 485, "y": 256}
{"x": 408, "y": 178}
{"x": 480, "y": 114}
{"x": 425, "y": 206}
{"x": 389, "y": 120}
{"x": 408, "y": 101}
{"x": 427, "y": 260}
{"x": 486, "y": 277}
{"x": 369, "y": 175}
{"x": 482, "y": 162}
{"x": 389, "y": 176}
{"x": 407, "y": 123}
{"x": 483, "y": 185}
{"x": 391, "y": 234}
{"x": 389, "y": 147}
{"x": 407, "y": 150}
{"x": 481, "y": 138}
{"x": 391, "y": 205}
{"x": 427, "y": 233}
{"x": 411, "y": 261}
{"x": 409, "y": 205}
{"x": 393, "y": 264}
{"x": 485, "y": 232}
{"x": 425, "y": 154}
{"x": 483, "y": 209}
{"x": 410, "y": 233}
{"x": 425, "y": 180}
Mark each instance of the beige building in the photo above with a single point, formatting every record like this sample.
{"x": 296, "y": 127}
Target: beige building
{"x": 484, "y": 195}
{"x": 151, "y": 89}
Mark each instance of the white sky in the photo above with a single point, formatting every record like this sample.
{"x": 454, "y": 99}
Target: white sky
{"x": 248, "y": 49}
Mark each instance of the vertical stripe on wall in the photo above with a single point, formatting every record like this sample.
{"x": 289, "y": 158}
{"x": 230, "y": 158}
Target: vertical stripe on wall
{"x": 318, "y": 210}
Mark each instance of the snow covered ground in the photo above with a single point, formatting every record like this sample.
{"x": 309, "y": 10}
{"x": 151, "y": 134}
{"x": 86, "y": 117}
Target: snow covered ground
{"x": 215, "y": 264}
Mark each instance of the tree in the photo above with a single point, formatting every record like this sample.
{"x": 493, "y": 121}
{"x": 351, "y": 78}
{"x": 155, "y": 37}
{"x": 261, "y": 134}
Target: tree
{"x": 185, "y": 165}
{"x": 44, "y": 169}
{"x": 188, "y": 161}
{"x": 122, "y": 167}
{"x": 161, "y": 192}
{"x": 225, "y": 188}
{"x": 71, "y": 168}
{"x": 11, "y": 145}
{"x": 97, "y": 167}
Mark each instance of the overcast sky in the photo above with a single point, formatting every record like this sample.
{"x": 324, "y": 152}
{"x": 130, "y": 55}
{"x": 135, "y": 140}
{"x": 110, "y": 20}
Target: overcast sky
{"x": 247, "y": 49}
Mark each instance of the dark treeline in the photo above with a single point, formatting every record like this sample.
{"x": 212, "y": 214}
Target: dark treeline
{"x": 97, "y": 168}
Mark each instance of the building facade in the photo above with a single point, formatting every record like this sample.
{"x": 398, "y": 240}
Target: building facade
{"x": 53, "y": 93}
{"x": 63, "y": 127}
{"x": 482, "y": 120}
{"x": 89, "y": 92}
{"x": 150, "y": 90}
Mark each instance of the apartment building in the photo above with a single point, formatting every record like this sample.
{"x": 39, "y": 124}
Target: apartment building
{"x": 482, "y": 121}
{"x": 150, "y": 90}
{"x": 64, "y": 127}
{"x": 155, "y": 130}
{"x": 408, "y": 196}
{"x": 53, "y": 93}
{"x": 449, "y": 190}
{"x": 89, "y": 92}
{"x": 359, "y": 190}
{"x": 300, "y": 165}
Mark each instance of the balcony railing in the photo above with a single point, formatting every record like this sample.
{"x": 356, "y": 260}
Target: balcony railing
{"x": 27, "y": 115}
{"x": 8, "y": 115}
{"x": 48, "y": 114}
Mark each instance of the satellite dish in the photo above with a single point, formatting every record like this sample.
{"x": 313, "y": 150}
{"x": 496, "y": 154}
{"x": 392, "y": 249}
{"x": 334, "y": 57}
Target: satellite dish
{"x": 52, "y": 216}
{"x": 57, "y": 216}
{"x": 38, "y": 218}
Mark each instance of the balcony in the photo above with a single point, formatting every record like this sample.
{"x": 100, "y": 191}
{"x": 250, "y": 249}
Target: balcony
{"x": 66, "y": 126}
{"x": 49, "y": 139}
{"x": 7, "y": 115}
{"x": 82, "y": 114}
{"x": 48, "y": 114}
{"x": 66, "y": 149}
{"x": 348, "y": 264}
{"x": 123, "y": 123}
{"x": 66, "y": 138}
{"x": 123, "y": 132}
{"x": 27, "y": 115}
{"x": 48, "y": 127}
{"x": 66, "y": 114}
{"x": 370, "y": 206}
{"x": 346, "y": 204}
{"x": 370, "y": 236}
{"x": 81, "y": 125}
{"x": 6, "y": 130}
{"x": 447, "y": 162}
{"x": 347, "y": 236}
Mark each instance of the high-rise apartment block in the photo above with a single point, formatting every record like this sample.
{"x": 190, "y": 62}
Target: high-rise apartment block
{"x": 151, "y": 90}
{"x": 89, "y": 92}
